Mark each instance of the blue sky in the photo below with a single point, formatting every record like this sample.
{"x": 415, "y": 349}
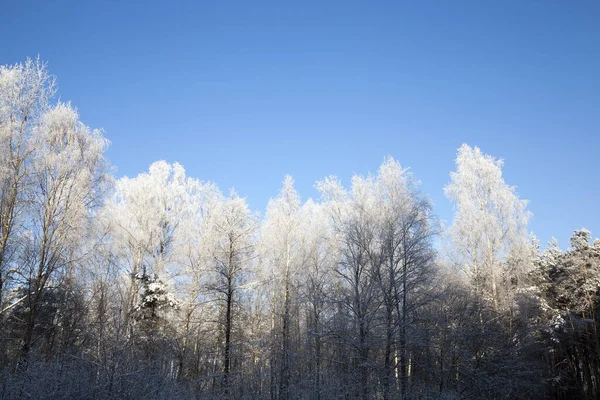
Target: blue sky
{"x": 243, "y": 93}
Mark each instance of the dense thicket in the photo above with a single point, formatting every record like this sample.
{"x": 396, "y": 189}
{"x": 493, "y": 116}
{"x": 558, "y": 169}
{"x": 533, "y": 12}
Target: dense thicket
{"x": 162, "y": 287}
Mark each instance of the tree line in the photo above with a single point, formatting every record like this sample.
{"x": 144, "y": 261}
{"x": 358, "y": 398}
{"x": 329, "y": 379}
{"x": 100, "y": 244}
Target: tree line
{"x": 162, "y": 286}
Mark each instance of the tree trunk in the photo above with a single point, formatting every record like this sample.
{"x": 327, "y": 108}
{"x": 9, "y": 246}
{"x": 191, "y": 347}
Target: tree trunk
{"x": 227, "y": 352}
{"x": 403, "y": 353}
{"x": 285, "y": 332}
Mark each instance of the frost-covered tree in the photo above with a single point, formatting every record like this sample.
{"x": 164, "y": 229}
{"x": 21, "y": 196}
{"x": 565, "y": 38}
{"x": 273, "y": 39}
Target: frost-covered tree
{"x": 25, "y": 91}
{"x": 385, "y": 228}
{"x": 320, "y": 256}
{"x": 154, "y": 297}
{"x": 195, "y": 257}
{"x": 143, "y": 216}
{"x": 234, "y": 230}
{"x": 354, "y": 217}
{"x": 69, "y": 171}
{"x": 490, "y": 220}
{"x": 282, "y": 255}
{"x": 407, "y": 228}
{"x": 569, "y": 285}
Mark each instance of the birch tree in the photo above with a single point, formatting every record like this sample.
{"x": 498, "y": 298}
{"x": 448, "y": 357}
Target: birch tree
{"x": 385, "y": 227}
{"x": 406, "y": 229}
{"x": 490, "y": 220}
{"x": 25, "y": 91}
{"x": 234, "y": 231}
{"x": 195, "y": 256}
{"x": 69, "y": 178}
{"x": 320, "y": 256}
{"x": 282, "y": 253}
{"x": 354, "y": 221}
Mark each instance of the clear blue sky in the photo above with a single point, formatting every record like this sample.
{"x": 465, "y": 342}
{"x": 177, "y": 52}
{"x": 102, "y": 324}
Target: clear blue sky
{"x": 243, "y": 93}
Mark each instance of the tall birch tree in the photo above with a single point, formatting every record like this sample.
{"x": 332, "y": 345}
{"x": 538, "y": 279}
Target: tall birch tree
{"x": 490, "y": 220}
